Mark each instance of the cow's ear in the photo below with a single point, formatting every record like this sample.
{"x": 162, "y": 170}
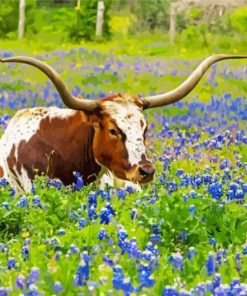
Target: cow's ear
{"x": 94, "y": 118}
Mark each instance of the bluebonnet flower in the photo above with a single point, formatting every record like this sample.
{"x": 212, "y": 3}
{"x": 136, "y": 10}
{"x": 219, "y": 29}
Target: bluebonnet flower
{"x": 12, "y": 191}
{"x": 239, "y": 195}
{"x": 73, "y": 216}
{"x": 34, "y": 274}
{"x": 127, "y": 287}
{"x": 183, "y": 235}
{"x": 220, "y": 257}
{"x": 25, "y": 252}
{"x": 155, "y": 238}
{"x": 5, "y": 205}
{"x": 193, "y": 194}
{"x": 110, "y": 209}
{"x": 102, "y": 234}
{"x": 82, "y": 223}
{"x": 3, "y": 182}
{"x": 170, "y": 291}
{"x": 129, "y": 189}
{"x": 222, "y": 289}
{"x": 57, "y": 287}
{"x": 122, "y": 234}
{"x": 79, "y": 181}
{"x": 217, "y": 279}
{"x": 20, "y": 281}
{"x": 118, "y": 277}
{"x": 107, "y": 260}
{"x": 212, "y": 241}
{"x": 230, "y": 195}
{"x": 23, "y": 202}
{"x": 4, "y": 248}
{"x": 192, "y": 209}
{"x": 37, "y": 203}
{"x": 191, "y": 252}
{"x": 61, "y": 232}
{"x": 210, "y": 264}
{"x": 54, "y": 241}
{"x": 56, "y": 183}
{"x": 244, "y": 187}
{"x": 177, "y": 260}
{"x": 215, "y": 189}
{"x": 121, "y": 194}
{"x": 104, "y": 216}
{"x": 144, "y": 273}
{"x": 234, "y": 187}
{"x": 4, "y": 291}
{"x": 73, "y": 249}
{"x": 92, "y": 214}
{"x": 82, "y": 274}
{"x": 92, "y": 199}
{"x": 134, "y": 213}
{"x": 12, "y": 263}
{"x": 238, "y": 262}
{"x": 33, "y": 290}
{"x": 179, "y": 172}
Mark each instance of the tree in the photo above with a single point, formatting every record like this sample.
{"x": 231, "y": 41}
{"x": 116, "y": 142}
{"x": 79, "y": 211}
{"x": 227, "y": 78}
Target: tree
{"x": 100, "y": 18}
{"x": 21, "y": 24}
{"x": 87, "y": 17}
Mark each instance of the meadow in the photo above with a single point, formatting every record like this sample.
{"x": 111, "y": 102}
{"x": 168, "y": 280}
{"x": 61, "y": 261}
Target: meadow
{"x": 183, "y": 234}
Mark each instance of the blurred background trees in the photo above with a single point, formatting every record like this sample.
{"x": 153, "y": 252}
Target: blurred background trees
{"x": 63, "y": 21}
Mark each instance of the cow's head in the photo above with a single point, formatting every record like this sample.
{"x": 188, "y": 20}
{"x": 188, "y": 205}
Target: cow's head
{"x": 119, "y": 140}
{"x": 118, "y": 121}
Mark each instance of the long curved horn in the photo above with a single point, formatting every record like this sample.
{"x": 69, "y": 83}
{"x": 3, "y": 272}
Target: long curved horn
{"x": 68, "y": 99}
{"x": 188, "y": 85}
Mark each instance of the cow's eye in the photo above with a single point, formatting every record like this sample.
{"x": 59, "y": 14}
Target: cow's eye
{"x": 113, "y": 132}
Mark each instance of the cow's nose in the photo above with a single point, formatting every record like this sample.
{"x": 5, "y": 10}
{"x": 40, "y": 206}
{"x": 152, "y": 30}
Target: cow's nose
{"x": 146, "y": 171}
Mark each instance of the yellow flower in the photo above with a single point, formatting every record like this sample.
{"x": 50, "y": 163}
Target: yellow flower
{"x": 41, "y": 248}
{"x": 25, "y": 234}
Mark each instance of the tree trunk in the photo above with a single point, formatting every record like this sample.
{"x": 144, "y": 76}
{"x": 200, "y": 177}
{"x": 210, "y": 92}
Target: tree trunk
{"x": 172, "y": 29}
{"x": 78, "y": 8}
{"x": 100, "y": 18}
{"x": 21, "y": 24}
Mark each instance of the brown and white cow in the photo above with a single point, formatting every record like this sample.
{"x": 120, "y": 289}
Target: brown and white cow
{"x": 101, "y": 139}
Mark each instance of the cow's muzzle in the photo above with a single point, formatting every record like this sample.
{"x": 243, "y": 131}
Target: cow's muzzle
{"x": 142, "y": 173}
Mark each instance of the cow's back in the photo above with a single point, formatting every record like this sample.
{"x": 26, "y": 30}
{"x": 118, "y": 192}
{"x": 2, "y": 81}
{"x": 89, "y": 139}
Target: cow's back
{"x": 47, "y": 140}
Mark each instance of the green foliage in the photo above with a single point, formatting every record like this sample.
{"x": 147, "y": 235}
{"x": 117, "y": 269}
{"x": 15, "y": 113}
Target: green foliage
{"x": 191, "y": 37}
{"x": 151, "y": 14}
{"x": 9, "y": 12}
{"x": 86, "y": 21}
{"x": 8, "y": 19}
{"x": 239, "y": 20}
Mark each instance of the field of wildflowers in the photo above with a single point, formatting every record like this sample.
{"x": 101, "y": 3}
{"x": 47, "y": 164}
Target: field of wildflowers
{"x": 184, "y": 234}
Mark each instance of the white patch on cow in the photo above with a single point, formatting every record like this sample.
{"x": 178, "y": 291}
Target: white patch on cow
{"x": 106, "y": 178}
{"x": 23, "y": 126}
{"x": 128, "y": 117}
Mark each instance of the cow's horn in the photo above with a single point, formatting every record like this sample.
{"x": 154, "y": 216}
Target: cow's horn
{"x": 68, "y": 99}
{"x": 188, "y": 85}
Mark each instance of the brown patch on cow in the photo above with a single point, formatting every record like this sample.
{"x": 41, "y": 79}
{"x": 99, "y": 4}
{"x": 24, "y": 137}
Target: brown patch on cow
{"x": 111, "y": 151}
{"x": 1, "y": 172}
{"x": 60, "y": 147}
{"x": 110, "y": 98}
{"x": 13, "y": 164}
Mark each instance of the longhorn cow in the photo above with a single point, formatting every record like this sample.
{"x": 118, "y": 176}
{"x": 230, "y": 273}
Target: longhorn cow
{"x": 102, "y": 139}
